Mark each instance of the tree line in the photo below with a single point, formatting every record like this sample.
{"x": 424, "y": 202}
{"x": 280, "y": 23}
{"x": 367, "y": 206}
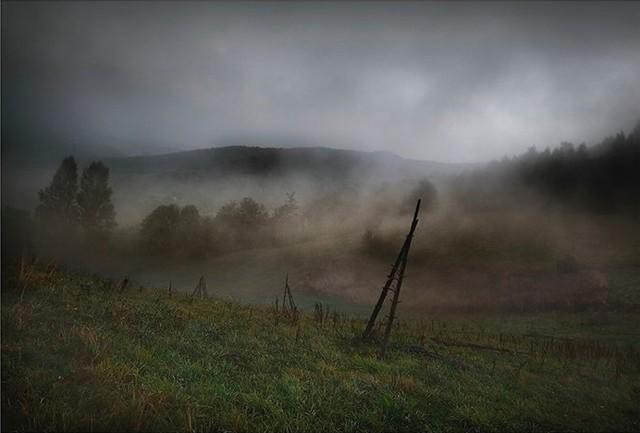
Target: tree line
{"x": 71, "y": 205}
{"x": 601, "y": 178}
{"x": 604, "y": 177}
{"x": 171, "y": 230}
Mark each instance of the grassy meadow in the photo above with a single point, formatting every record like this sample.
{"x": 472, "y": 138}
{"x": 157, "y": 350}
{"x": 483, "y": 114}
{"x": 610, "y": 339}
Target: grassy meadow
{"x": 79, "y": 354}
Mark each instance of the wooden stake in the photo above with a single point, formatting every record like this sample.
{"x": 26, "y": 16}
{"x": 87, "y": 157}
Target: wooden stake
{"x": 292, "y": 304}
{"x": 198, "y": 290}
{"x": 394, "y": 305}
{"x": 383, "y": 294}
{"x": 124, "y": 284}
{"x": 284, "y": 295}
{"x": 399, "y": 263}
{"x": 203, "y": 288}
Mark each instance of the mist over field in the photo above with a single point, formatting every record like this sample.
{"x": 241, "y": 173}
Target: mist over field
{"x": 334, "y": 220}
{"x": 249, "y": 216}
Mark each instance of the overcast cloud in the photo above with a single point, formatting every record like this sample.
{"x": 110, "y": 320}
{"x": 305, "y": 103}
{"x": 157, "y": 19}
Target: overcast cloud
{"x": 441, "y": 81}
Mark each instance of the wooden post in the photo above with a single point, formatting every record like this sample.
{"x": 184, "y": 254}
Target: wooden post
{"x": 292, "y": 304}
{"x": 203, "y": 288}
{"x": 402, "y": 256}
{"x": 198, "y": 290}
{"x": 396, "y": 292}
{"x": 383, "y": 294}
{"x": 124, "y": 284}
{"x": 394, "y": 305}
{"x": 284, "y": 294}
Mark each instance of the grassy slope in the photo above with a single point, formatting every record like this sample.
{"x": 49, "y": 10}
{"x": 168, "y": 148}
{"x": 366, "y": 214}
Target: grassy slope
{"x": 78, "y": 356}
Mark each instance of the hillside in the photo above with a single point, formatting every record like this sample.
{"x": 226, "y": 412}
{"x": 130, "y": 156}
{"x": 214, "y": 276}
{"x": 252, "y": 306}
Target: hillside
{"x": 315, "y": 162}
{"x": 78, "y": 354}
{"x": 210, "y": 177}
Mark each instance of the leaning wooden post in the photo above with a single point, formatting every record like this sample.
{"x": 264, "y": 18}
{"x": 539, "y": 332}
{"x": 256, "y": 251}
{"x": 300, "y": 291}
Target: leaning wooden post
{"x": 383, "y": 294}
{"x": 404, "y": 251}
{"x": 292, "y": 304}
{"x": 284, "y": 295}
{"x": 124, "y": 284}
{"x": 198, "y": 290}
{"x": 396, "y": 292}
{"x": 392, "y": 312}
{"x": 203, "y": 288}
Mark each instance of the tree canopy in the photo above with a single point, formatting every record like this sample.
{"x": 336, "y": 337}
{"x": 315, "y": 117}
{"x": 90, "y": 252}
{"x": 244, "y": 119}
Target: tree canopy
{"x": 58, "y": 203}
{"x": 96, "y": 212}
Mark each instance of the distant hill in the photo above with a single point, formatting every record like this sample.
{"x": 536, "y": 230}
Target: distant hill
{"x": 210, "y": 177}
{"x": 314, "y": 162}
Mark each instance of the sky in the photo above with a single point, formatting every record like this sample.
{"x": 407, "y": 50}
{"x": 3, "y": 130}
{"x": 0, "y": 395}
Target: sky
{"x": 450, "y": 82}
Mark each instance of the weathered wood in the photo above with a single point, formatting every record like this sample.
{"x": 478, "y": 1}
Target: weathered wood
{"x": 396, "y": 292}
{"x": 284, "y": 294}
{"x": 124, "y": 284}
{"x": 292, "y": 304}
{"x": 383, "y": 294}
{"x": 288, "y": 304}
{"x": 400, "y": 262}
{"x": 203, "y": 288}
{"x": 394, "y": 303}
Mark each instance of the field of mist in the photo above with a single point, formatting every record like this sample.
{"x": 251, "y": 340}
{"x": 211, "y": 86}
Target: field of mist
{"x": 490, "y": 237}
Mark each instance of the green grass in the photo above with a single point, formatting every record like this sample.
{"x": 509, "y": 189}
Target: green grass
{"x": 76, "y": 355}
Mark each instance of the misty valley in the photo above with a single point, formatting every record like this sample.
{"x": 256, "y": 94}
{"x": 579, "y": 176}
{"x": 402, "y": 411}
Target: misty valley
{"x": 344, "y": 216}
{"x": 490, "y": 239}
{"x": 527, "y": 257}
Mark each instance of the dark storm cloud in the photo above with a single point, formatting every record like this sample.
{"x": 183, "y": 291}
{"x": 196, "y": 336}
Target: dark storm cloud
{"x": 443, "y": 81}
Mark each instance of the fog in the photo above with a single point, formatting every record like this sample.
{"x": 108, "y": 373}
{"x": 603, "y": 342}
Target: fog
{"x": 486, "y": 241}
{"x": 333, "y": 119}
